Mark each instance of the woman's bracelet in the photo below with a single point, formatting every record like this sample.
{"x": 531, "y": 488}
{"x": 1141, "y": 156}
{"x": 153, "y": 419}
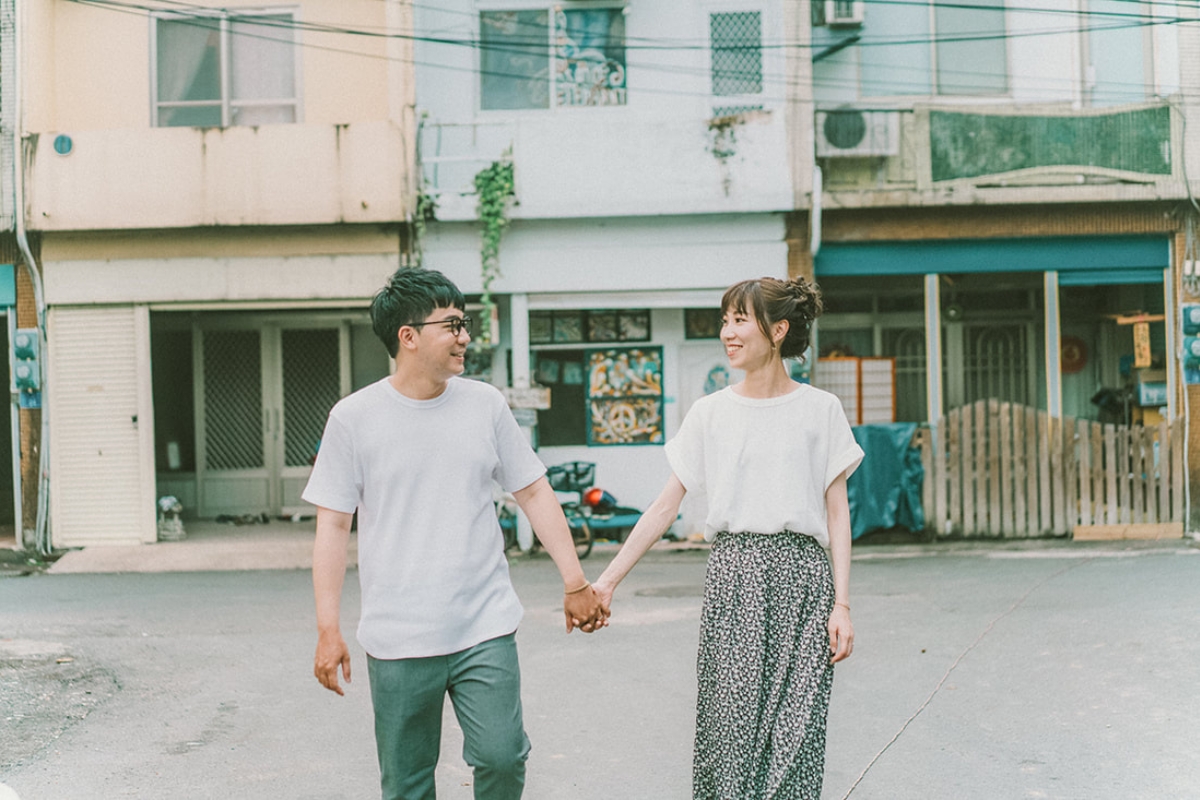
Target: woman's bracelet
{"x": 586, "y": 584}
{"x": 843, "y": 605}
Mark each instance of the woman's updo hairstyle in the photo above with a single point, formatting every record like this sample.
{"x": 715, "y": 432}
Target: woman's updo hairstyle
{"x": 771, "y": 300}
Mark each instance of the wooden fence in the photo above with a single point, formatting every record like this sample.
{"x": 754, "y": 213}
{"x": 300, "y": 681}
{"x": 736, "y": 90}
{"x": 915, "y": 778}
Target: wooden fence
{"x": 1004, "y": 470}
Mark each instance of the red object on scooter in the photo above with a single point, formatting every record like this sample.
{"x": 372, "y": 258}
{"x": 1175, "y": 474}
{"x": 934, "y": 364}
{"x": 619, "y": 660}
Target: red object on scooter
{"x": 599, "y": 499}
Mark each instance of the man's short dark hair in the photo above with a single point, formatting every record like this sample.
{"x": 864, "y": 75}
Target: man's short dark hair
{"x": 410, "y": 296}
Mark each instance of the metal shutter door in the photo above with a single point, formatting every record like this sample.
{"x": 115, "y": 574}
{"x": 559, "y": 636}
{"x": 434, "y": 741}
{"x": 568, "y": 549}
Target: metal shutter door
{"x": 101, "y": 426}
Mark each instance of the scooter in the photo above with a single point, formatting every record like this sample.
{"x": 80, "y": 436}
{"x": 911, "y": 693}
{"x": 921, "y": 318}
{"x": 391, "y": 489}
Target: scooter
{"x": 609, "y": 520}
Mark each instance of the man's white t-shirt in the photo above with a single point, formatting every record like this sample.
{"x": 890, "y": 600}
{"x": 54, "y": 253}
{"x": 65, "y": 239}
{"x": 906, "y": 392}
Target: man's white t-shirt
{"x": 765, "y": 463}
{"x": 420, "y": 474}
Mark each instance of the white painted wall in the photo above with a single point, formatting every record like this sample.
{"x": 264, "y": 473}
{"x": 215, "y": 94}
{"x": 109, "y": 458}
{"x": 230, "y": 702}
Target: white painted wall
{"x": 651, "y": 156}
{"x": 623, "y": 254}
{"x": 1046, "y": 43}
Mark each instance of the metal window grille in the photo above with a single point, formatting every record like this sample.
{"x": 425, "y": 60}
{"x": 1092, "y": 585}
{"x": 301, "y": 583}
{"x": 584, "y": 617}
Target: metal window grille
{"x": 736, "y": 53}
{"x": 907, "y": 346}
{"x": 233, "y": 430}
{"x": 997, "y": 363}
{"x": 311, "y": 385}
{"x": 731, "y": 111}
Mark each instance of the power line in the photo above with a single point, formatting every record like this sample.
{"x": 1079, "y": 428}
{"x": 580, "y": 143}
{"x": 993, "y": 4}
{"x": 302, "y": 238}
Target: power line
{"x": 212, "y": 22}
{"x": 543, "y": 41}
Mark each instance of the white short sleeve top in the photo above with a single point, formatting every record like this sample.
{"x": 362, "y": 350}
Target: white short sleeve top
{"x": 765, "y": 463}
{"x": 420, "y": 474}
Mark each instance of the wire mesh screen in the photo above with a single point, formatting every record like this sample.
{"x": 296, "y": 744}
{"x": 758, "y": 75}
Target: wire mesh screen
{"x": 311, "y": 385}
{"x": 233, "y": 431}
{"x": 736, "y": 53}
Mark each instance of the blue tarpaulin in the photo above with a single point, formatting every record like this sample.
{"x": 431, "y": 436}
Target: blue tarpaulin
{"x": 885, "y": 491}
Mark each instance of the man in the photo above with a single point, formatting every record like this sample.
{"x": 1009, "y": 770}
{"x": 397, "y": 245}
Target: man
{"x": 416, "y": 455}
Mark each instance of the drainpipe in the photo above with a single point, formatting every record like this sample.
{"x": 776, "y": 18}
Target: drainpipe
{"x": 41, "y": 529}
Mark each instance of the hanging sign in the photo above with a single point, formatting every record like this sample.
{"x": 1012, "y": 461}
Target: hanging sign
{"x": 1141, "y": 345}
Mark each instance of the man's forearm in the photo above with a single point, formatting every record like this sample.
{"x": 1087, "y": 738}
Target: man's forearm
{"x": 329, "y": 566}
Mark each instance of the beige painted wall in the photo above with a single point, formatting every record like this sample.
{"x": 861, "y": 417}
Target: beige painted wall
{"x": 93, "y": 63}
{"x": 219, "y": 265}
{"x": 347, "y": 160}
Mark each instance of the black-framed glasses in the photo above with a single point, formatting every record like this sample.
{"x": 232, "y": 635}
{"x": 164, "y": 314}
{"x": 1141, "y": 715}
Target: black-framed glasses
{"x": 456, "y": 325}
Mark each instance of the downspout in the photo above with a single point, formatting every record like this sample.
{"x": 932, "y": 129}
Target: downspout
{"x": 41, "y": 529}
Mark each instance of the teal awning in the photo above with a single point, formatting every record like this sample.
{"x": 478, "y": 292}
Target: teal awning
{"x": 1079, "y": 260}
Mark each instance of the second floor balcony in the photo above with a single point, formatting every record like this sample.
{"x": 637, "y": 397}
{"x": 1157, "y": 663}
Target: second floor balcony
{"x": 300, "y": 174}
{"x": 940, "y": 155}
{"x": 620, "y": 164}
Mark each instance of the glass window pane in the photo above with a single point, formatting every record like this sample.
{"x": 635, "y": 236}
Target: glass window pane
{"x": 736, "y": 53}
{"x": 591, "y": 57}
{"x": 887, "y": 70}
{"x": 263, "y": 59}
{"x": 514, "y": 59}
{"x": 1118, "y": 54}
{"x": 978, "y": 62}
{"x": 189, "y": 59}
{"x": 190, "y": 117}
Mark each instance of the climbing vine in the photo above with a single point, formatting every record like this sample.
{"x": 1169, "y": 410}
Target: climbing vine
{"x": 494, "y": 187}
{"x": 424, "y": 213}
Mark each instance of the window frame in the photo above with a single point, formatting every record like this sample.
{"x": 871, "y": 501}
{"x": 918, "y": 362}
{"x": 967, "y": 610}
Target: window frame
{"x": 227, "y": 104}
{"x": 934, "y": 67}
{"x": 750, "y": 100}
{"x": 491, "y": 6}
{"x": 772, "y": 47}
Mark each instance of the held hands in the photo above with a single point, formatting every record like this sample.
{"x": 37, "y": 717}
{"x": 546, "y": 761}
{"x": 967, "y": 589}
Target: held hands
{"x": 841, "y": 633}
{"x": 331, "y": 654}
{"x": 584, "y": 610}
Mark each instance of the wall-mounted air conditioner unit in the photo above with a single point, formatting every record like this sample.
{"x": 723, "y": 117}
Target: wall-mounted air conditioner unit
{"x": 843, "y": 13}
{"x": 857, "y": 134}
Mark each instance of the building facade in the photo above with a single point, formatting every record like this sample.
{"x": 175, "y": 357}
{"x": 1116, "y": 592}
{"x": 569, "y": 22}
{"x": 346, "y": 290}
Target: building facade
{"x": 215, "y": 194}
{"x": 995, "y": 201}
{"x": 1004, "y": 206}
{"x": 650, "y": 148}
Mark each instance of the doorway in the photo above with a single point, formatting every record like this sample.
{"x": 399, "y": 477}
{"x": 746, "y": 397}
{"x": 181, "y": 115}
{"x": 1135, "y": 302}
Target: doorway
{"x": 241, "y": 402}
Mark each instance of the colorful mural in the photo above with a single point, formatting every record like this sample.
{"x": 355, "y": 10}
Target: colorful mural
{"x": 625, "y": 399}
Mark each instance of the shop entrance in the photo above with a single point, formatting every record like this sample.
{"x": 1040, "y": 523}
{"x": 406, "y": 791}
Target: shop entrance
{"x": 243, "y": 439}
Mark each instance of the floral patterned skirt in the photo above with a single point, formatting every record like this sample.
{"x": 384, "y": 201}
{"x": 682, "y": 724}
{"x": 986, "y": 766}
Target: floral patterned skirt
{"x": 764, "y": 669}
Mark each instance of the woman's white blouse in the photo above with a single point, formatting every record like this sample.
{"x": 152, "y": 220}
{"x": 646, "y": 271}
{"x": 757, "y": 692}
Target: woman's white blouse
{"x": 764, "y": 463}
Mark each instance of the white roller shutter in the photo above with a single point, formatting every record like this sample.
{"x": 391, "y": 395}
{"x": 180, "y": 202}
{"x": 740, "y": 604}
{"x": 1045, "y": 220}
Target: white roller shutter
{"x": 101, "y": 426}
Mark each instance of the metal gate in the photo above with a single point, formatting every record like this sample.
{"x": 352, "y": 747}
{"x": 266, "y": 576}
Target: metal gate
{"x": 263, "y": 394}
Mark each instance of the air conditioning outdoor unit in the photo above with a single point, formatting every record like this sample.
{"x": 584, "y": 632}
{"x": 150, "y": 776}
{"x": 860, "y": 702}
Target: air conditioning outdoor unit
{"x": 857, "y": 134}
{"x": 843, "y": 13}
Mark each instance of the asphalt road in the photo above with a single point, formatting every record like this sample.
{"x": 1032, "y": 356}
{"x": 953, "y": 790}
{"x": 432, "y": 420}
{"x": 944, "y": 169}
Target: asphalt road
{"x": 1059, "y": 671}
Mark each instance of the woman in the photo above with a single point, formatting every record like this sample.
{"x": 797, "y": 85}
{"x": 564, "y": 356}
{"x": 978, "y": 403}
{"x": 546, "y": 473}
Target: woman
{"x": 772, "y": 455}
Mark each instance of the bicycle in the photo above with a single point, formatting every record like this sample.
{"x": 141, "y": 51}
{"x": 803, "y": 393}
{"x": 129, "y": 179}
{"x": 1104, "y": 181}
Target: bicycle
{"x": 573, "y": 478}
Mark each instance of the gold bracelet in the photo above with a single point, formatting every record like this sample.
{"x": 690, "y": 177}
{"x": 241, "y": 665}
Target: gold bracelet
{"x": 586, "y": 585}
{"x": 843, "y": 605}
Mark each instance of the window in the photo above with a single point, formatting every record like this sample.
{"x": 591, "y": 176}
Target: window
{"x": 702, "y": 323}
{"x": 222, "y": 69}
{"x": 576, "y": 326}
{"x": 737, "y": 61}
{"x": 539, "y": 58}
{"x": 958, "y": 49}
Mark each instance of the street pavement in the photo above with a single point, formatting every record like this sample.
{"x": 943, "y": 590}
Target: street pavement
{"x": 990, "y": 671}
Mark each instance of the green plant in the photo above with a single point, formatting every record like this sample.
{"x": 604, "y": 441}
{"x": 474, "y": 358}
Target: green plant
{"x": 494, "y": 187}
{"x": 424, "y": 213}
